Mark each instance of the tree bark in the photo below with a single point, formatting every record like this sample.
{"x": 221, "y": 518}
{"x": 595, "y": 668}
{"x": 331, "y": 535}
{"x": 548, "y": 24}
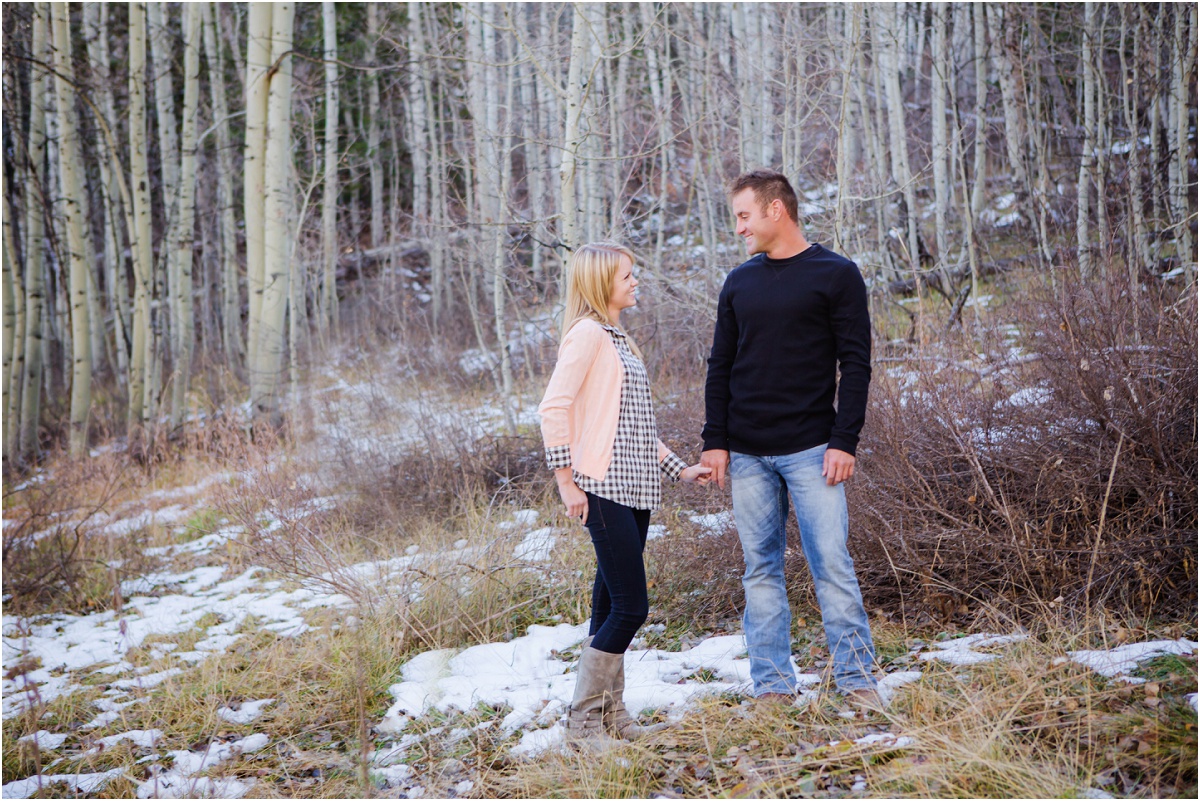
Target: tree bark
{"x": 184, "y": 328}
{"x": 254, "y": 154}
{"x": 266, "y": 372}
{"x": 35, "y": 288}
{"x": 329, "y": 244}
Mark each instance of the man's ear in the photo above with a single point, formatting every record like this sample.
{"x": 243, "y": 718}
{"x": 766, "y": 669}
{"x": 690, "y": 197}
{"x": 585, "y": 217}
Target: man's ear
{"x": 775, "y": 209}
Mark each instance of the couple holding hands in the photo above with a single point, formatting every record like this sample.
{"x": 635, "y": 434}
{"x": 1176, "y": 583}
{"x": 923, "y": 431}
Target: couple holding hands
{"x": 788, "y": 320}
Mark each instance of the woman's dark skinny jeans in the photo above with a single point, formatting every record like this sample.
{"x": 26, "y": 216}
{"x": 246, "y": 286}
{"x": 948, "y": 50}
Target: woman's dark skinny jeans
{"x": 619, "y": 601}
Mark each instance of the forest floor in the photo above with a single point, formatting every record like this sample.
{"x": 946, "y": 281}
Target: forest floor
{"x": 391, "y": 605}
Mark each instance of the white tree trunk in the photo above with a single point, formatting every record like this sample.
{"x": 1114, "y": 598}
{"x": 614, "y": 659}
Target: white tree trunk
{"x": 139, "y": 172}
{"x": 1011, "y": 95}
{"x": 577, "y": 74}
{"x": 979, "y": 171}
{"x": 254, "y": 155}
{"x": 374, "y": 131}
{"x": 941, "y": 76}
{"x": 266, "y": 372}
{"x": 183, "y": 330}
{"x": 1087, "y": 157}
{"x": 329, "y": 243}
{"x": 71, "y": 174}
{"x": 35, "y": 287}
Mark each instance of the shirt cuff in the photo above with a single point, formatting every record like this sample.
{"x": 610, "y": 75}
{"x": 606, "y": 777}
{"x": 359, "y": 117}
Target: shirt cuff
{"x": 558, "y": 457}
{"x": 672, "y": 466}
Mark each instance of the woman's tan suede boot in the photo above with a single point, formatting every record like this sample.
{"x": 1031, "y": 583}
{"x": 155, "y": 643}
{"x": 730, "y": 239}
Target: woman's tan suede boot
{"x": 617, "y": 720}
{"x": 593, "y": 688}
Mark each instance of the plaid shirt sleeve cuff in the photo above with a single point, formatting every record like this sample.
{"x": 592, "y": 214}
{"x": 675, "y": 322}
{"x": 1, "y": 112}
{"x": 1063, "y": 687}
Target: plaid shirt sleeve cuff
{"x": 558, "y": 457}
{"x": 672, "y": 466}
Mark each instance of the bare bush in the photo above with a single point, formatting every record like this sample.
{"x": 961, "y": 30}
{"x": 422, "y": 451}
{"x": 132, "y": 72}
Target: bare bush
{"x": 1065, "y": 474}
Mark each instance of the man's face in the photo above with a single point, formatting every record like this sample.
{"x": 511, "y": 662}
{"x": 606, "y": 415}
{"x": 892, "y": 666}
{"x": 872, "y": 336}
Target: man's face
{"x": 756, "y": 225}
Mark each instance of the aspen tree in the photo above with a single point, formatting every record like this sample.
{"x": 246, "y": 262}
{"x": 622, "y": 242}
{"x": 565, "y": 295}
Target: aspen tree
{"x": 329, "y": 245}
{"x": 70, "y": 175}
{"x": 35, "y": 287}
{"x": 1001, "y": 31}
{"x": 979, "y": 169}
{"x": 1084, "y": 184}
{"x": 1183, "y": 61}
{"x": 577, "y": 73}
{"x": 885, "y": 25}
{"x": 940, "y": 136}
{"x": 141, "y": 246}
{"x": 159, "y": 59}
{"x": 183, "y": 329}
{"x": 374, "y": 133}
{"x": 9, "y": 280}
{"x": 231, "y": 302}
{"x": 266, "y": 370}
{"x": 254, "y": 155}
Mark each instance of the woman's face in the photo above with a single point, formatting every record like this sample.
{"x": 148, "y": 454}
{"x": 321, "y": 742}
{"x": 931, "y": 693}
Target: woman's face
{"x": 624, "y": 289}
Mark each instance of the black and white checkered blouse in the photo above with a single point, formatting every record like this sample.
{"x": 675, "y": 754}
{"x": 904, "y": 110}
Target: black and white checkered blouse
{"x": 633, "y": 474}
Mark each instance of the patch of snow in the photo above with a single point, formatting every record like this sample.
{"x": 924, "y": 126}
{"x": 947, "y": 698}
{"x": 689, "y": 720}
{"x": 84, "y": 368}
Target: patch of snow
{"x": 246, "y": 712}
{"x": 656, "y": 531}
{"x": 180, "y": 780}
{"x": 46, "y": 741}
{"x": 82, "y": 783}
{"x": 1031, "y": 396}
{"x": 139, "y": 737}
{"x": 1125, "y": 658}
{"x": 961, "y": 651}
{"x": 536, "y": 546}
{"x": 714, "y": 525}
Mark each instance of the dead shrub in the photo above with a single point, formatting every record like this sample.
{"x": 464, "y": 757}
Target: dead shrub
{"x": 1065, "y": 474}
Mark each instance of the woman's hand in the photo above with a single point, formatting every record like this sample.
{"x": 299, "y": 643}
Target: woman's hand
{"x": 572, "y": 496}
{"x": 697, "y": 473}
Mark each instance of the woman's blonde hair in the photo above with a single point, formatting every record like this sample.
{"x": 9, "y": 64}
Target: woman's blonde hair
{"x": 590, "y": 277}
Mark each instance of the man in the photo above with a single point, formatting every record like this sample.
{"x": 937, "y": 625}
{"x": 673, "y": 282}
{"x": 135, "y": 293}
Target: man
{"x": 787, "y": 320}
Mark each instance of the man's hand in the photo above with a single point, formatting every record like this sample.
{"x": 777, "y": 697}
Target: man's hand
{"x": 718, "y": 460}
{"x": 838, "y": 466}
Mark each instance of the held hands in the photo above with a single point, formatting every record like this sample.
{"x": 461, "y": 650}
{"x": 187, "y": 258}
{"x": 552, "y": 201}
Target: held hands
{"x": 718, "y": 463}
{"x": 697, "y": 473}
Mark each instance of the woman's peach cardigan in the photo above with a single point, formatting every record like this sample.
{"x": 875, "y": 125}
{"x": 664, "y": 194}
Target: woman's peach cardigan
{"x": 583, "y": 399}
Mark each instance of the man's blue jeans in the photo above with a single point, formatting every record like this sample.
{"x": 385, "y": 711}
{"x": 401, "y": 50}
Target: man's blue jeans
{"x": 761, "y": 485}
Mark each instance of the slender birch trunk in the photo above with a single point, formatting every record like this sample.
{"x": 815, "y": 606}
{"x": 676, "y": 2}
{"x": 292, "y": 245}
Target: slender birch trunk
{"x": 266, "y": 372}
{"x": 1183, "y": 59}
{"x": 374, "y": 132}
{"x": 254, "y": 154}
{"x": 329, "y": 301}
{"x": 11, "y": 296}
{"x": 70, "y": 175}
{"x": 941, "y": 174}
{"x": 999, "y": 19}
{"x": 886, "y": 24}
{"x": 979, "y": 171}
{"x": 35, "y": 287}
{"x": 577, "y": 72}
{"x": 1087, "y": 157}
{"x": 183, "y": 330}
{"x": 141, "y": 250}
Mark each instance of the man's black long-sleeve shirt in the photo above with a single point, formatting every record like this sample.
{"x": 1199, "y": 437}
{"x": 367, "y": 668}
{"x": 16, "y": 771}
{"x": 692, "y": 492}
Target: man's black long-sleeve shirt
{"x": 784, "y": 328}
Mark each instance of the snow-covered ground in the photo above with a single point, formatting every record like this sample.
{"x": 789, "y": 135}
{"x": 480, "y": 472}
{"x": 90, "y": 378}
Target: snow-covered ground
{"x": 214, "y": 606}
{"x": 531, "y": 677}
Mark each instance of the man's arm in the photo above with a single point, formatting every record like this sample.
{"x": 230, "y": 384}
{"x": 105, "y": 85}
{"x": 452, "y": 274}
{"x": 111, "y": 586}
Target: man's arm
{"x": 851, "y": 324}
{"x": 716, "y": 389}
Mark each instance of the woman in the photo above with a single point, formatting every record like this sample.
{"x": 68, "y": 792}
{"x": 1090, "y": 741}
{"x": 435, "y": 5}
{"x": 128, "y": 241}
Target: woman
{"x": 601, "y": 442}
